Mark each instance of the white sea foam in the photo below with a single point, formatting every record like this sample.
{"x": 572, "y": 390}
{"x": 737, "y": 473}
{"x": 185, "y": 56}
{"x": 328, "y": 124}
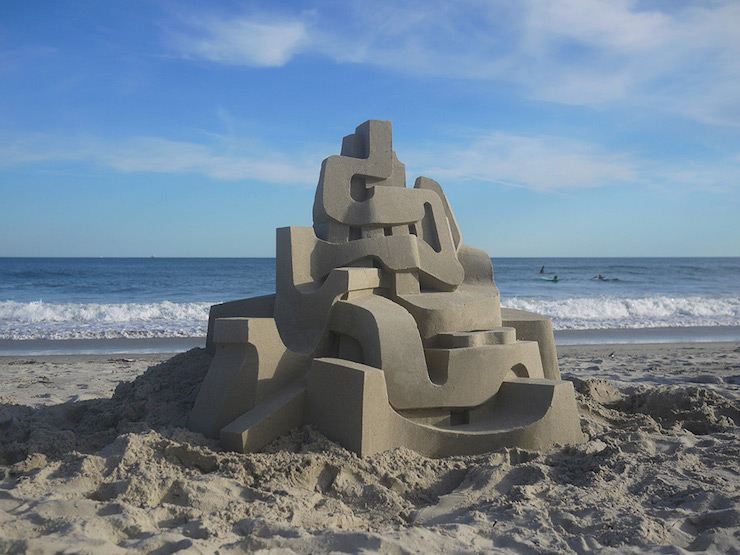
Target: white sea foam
{"x": 644, "y": 312}
{"x": 41, "y": 320}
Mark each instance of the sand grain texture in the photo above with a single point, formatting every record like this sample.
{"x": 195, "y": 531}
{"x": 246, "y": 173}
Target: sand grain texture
{"x": 660, "y": 472}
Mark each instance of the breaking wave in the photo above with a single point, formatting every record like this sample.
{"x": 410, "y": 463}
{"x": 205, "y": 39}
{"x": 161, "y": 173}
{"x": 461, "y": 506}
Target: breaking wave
{"x": 643, "y": 312}
{"x": 40, "y": 320}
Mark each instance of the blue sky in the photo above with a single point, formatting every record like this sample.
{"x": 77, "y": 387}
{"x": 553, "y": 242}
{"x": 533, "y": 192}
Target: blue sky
{"x": 556, "y": 128}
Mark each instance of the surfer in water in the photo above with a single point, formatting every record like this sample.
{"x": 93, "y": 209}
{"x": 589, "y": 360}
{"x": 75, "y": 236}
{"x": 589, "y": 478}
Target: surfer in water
{"x": 542, "y": 270}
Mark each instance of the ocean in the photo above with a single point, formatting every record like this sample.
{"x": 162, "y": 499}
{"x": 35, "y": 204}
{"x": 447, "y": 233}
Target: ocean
{"x": 56, "y": 299}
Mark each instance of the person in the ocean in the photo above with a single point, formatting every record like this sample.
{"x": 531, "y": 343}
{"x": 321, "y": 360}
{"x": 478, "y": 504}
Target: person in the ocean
{"x": 542, "y": 270}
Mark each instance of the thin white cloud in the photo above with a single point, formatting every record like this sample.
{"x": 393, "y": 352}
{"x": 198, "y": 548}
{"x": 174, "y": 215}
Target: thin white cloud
{"x": 548, "y": 163}
{"x": 589, "y": 52}
{"x": 220, "y": 161}
{"x": 242, "y": 41}
{"x": 158, "y": 155}
{"x": 541, "y": 163}
{"x": 612, "y": 25}
{"x": 684, "y": 59}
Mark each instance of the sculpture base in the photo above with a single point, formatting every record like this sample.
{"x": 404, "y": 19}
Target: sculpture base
{"x": 256, "y": 390}
{"x": 527, "y": 413}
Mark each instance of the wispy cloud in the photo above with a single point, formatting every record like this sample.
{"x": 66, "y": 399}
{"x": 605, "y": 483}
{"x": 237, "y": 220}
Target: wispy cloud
{"x": 219, "y": 160}
{"x": 242, "y": 41}
{"x": 537, "y": 162}
{"x": 549, "y": 163}
{"x": 158, "y": 155}
{"x": 541, "y": 163}
{"x": 684, "y": 59}
{"x": 611, "y": 25}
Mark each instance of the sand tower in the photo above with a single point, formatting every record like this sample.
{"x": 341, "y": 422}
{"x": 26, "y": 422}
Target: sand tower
{"x": 385, "y": 330}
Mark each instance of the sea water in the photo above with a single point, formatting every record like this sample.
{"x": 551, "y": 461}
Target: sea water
{"x": 105, "y": 298}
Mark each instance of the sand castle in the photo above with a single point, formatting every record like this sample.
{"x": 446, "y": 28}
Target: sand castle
{"x": 385, "y": 330}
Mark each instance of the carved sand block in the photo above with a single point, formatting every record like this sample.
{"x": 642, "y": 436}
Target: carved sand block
{"x": 385, "y": 330}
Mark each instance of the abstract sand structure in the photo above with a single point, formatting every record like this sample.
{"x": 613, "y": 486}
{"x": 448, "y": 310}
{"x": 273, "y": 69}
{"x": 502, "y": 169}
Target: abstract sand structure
{"x": 385, "y": 330}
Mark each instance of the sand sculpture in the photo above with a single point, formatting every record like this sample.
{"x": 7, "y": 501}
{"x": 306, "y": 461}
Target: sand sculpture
{"x": 385, "y": 330}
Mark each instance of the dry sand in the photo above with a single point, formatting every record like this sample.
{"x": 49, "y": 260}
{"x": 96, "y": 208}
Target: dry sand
{"x": 89, "y": 466}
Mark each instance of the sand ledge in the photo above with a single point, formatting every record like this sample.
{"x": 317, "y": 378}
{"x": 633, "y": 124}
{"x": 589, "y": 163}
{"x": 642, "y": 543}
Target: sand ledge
{"x": 661, "y": 468}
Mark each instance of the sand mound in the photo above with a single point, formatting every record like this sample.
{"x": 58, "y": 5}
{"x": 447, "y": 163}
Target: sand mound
{"x": 159, "y": 399}
{"x": 660, "y": 468}
{"x": 697, "y": 410}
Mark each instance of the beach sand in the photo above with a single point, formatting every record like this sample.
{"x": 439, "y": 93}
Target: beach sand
{"x": 88, "y": 465}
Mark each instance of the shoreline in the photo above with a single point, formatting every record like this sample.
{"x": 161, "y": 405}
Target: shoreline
{"x": 172, "y": 345}
{"x": 688, "y": 334}
{"x": 149, "y": 345}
